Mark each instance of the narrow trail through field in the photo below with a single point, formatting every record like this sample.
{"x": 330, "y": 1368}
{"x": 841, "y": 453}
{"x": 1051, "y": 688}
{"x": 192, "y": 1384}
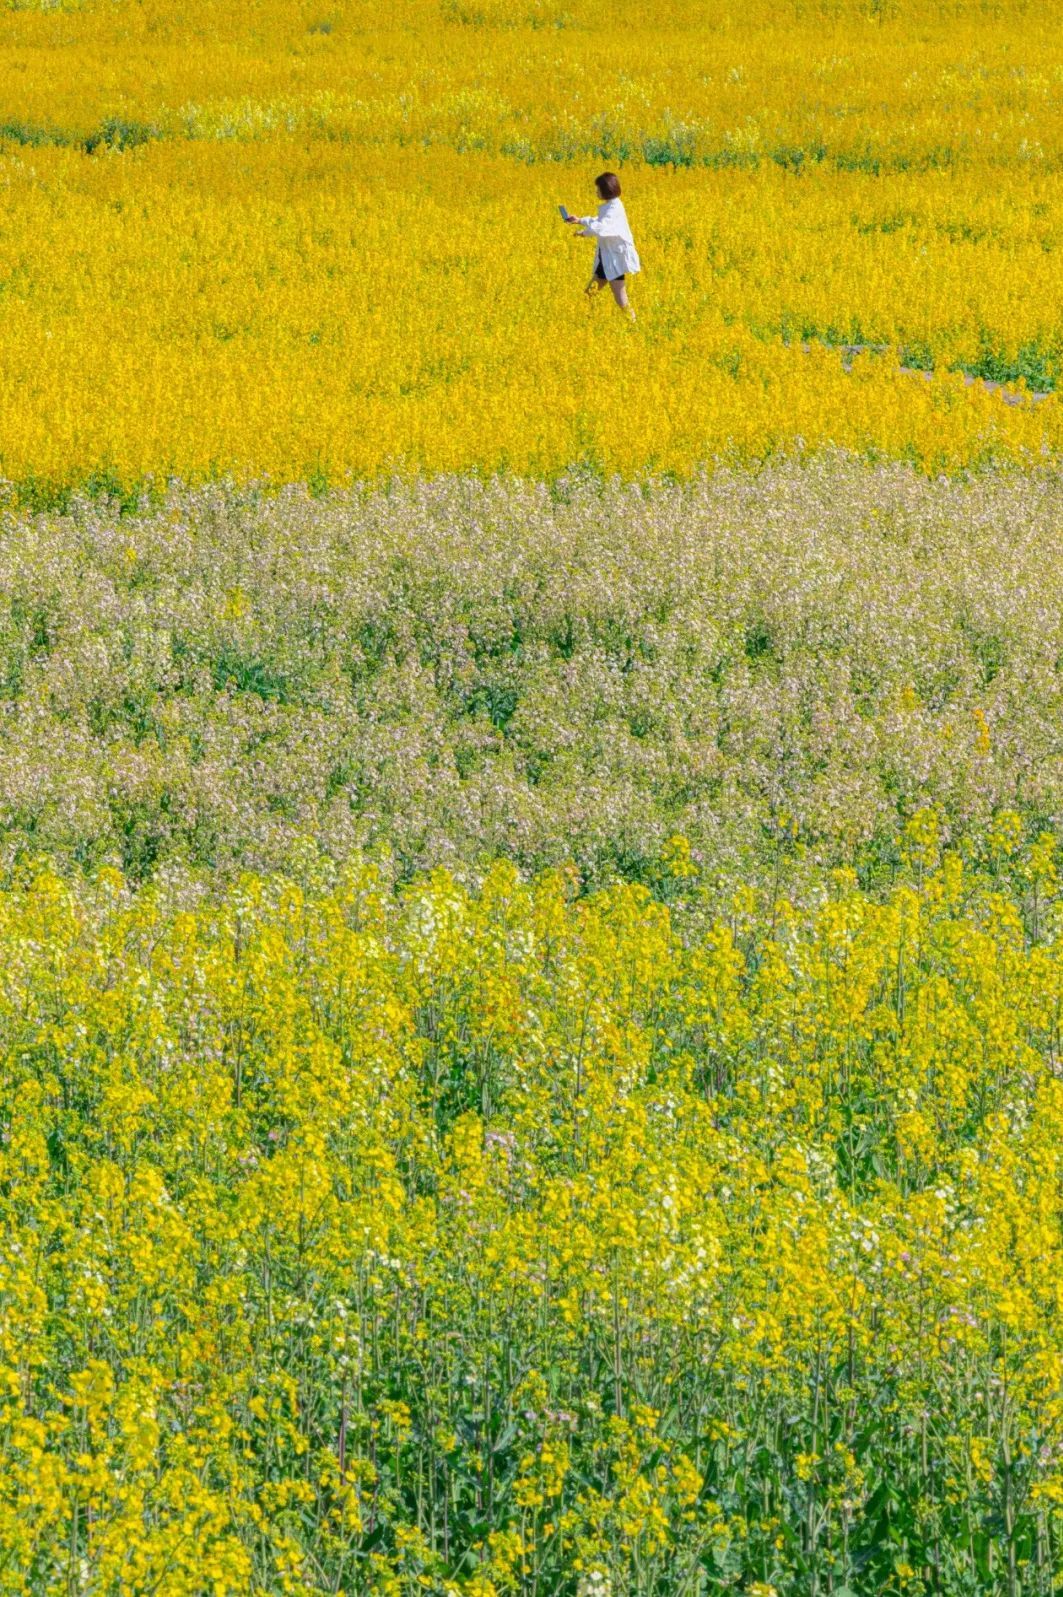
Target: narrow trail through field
{"x": 1008, "y": 393}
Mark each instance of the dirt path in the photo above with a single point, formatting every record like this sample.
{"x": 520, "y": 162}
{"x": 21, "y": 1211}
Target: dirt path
{"x": 1007, "y": 393}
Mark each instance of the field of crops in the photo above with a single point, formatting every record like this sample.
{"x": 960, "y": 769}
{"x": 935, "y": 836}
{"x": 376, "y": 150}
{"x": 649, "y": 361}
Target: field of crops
{"x": 348, "y": 237}
{"x": 531, "y": 933}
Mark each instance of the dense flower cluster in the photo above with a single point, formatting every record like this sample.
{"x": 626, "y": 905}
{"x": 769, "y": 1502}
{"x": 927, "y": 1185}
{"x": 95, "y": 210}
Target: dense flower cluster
{"x": 509, "y": 1243}
{"x": 782, "y": 666}
{"x": 282, "y": 240}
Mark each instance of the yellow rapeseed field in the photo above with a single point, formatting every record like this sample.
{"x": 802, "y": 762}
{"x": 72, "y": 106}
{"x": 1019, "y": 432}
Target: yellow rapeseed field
{"x": 500, "y": 1243}
{"x": 311, "y": 239}
{"x": 531, "y": 926}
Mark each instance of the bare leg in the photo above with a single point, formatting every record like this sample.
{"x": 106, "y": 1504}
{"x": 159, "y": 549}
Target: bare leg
{"x": 619, "y": 288}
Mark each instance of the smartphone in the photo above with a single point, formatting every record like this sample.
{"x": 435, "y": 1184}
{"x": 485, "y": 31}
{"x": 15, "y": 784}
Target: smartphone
{"x": 564, "y": 213}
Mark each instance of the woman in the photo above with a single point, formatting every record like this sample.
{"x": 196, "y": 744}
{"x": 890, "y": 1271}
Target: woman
{"x": 616, "y": 256}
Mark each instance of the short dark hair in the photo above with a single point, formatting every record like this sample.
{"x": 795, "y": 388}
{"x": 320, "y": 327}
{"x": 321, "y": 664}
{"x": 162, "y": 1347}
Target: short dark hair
{"x": 608, "y": 186}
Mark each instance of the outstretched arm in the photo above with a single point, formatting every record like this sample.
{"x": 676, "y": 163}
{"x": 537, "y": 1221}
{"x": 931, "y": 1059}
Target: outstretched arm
{"x": 597, "y": 227}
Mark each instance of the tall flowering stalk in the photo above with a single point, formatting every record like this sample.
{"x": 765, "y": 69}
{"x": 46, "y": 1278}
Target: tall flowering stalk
{"x": 496, "y": 1241}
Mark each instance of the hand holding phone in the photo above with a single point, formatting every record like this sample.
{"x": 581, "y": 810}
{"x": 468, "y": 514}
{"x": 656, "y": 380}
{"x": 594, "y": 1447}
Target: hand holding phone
{"x": 564, "y": 214}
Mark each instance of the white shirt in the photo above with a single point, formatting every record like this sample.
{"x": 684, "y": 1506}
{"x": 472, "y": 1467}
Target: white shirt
{"x": 616, "y": 247}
